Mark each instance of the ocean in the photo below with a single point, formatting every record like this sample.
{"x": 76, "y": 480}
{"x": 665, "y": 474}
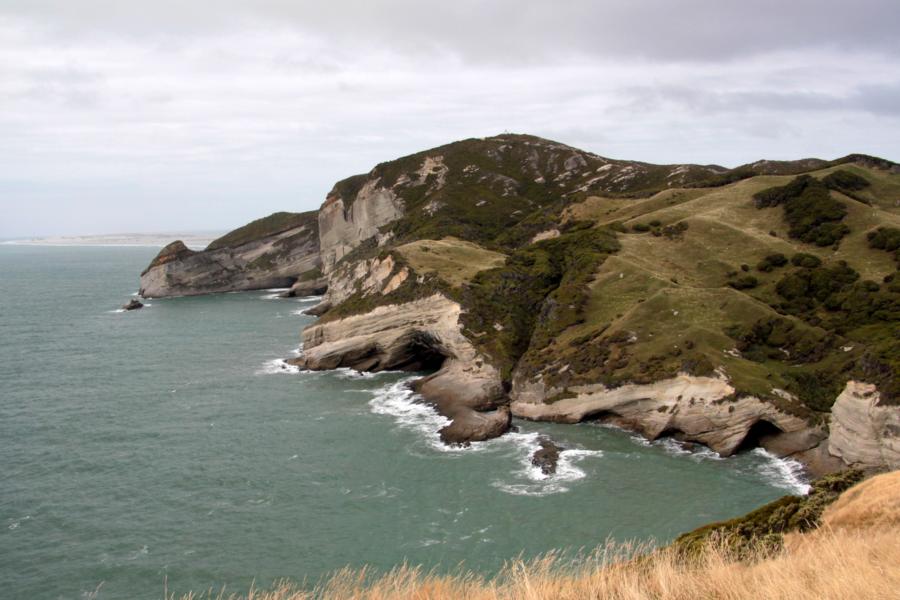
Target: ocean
{"x": 171, "y": 448}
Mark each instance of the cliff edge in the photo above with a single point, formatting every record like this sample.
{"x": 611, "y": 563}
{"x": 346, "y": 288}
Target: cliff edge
{"x": 278, "y": 251}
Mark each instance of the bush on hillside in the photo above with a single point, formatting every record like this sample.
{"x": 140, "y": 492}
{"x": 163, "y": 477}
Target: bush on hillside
{"x": 885, "y": 238}
{"x": 807, "y": 261}
{"x": 771, "y": 262}
{"x": 745, "y": 282}
{"x": 845, "y": 181}
{"x": 812, "y": 214}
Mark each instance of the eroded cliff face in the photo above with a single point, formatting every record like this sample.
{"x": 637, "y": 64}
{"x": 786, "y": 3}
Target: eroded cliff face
{"x": 344, "y": 223}
{"x": 864, "y": 433}
{"x": 253, "y": 261}
{"x": 420, "y": 335}
{"x": 698, "y": 409}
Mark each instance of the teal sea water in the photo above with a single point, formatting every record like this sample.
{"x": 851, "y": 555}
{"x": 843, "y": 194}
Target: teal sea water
{"x": 169, "y": 446}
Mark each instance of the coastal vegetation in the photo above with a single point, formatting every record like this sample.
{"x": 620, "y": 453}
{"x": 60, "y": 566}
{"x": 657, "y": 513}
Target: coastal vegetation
{"x": 264, "y": 227}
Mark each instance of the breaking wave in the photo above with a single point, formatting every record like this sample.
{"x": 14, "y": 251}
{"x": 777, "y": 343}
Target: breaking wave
{"x": 400, "y": 402}
{"x": 785, "y": 473}
{"x": 277, "y": 366}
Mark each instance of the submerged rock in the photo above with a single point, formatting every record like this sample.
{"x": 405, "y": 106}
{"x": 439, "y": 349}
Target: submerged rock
{"x": 546, "y": 457}
{"x": 133, "y": 304}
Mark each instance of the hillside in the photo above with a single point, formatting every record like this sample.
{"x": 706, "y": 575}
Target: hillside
{"x": 730, "y": 307}
{"x": 758, "y": 305}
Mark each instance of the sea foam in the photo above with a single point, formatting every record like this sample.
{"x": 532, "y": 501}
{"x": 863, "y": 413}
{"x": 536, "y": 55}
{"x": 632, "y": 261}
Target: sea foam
{"x": 277, "y": 366}
{"x": 785, "y": 473}
{"x": 408, "y": 410}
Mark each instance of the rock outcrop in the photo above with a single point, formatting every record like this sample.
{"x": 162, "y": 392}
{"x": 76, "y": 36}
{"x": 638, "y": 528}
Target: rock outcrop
{"x": 546, "y": 457}
{"x": 346, "y": 222}
{"x": 278, "y": 251}
{"x": 133, "y": 304}
{"x": 864, "y": 433}
{"x": 420, "y": 335}
{"x": 307, "y": 286}
{"x": 699, "y": 409}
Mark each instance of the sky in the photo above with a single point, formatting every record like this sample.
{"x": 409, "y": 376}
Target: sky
{"x": 157, "y": 116}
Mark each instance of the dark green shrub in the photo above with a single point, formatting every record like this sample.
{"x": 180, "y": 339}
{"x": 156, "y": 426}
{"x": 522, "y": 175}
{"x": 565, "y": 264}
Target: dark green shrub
{"x": 675, "y": 231}
{"x": 745, "y": 282}
{"x": 845, "y": 181}
{"x": 812, "y": 214}
{"x": 776, "y": 196}
{"x": 640, "y": 227}
{"x": 814, "y": 217}
{"x": 807, "y": 261}
{"x": 886, "y": 238}
{"x": 772, "y": 261}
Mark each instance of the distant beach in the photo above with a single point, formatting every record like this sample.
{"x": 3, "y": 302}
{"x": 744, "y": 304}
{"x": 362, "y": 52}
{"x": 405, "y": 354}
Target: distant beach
{"x": 195, "y": 240}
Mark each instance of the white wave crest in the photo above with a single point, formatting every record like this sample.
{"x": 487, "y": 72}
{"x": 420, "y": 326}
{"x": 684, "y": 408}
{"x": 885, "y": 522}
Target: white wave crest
{"x": 530, "y": 480}
{"x": 409, "y": 412}
{"x": 696, "y": 451}
{"x": 399, "y": 401}
{"x": 785, "y": 473}
{"x": 277, "y": 366}
{"x": 348, "y": 373}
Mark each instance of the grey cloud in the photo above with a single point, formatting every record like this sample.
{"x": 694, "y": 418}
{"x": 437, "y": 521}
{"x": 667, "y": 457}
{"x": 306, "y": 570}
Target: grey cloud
{"x": 213, "y": 113}
{"x": 513, "y": 31}
{"x": 878, "y": 100}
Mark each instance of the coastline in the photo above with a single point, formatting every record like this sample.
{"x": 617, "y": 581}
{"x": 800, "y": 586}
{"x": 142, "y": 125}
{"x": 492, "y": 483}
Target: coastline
{"x": 194, "y": 240}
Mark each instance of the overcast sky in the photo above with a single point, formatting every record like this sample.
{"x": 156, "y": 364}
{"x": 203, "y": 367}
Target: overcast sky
{"x": 125, "y": 116}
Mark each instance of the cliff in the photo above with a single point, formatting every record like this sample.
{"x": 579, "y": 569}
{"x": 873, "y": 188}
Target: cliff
{"x": 754, "y": 306}
{"x": 281, "y": 250}
{"x": 731, "y": 307}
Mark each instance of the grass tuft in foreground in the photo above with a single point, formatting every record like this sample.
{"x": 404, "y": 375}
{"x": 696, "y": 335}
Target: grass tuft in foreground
{"x": 829, "y": 565}
{"x": 852, "y": 554}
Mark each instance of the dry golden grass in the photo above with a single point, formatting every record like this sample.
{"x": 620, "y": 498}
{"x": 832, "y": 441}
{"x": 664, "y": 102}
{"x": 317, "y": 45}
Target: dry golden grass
{"x": 836, "y": 565}
{"x": 873, "y": 503}
{"x": 855, "y": 554}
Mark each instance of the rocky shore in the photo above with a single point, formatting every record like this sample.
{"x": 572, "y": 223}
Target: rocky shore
{"x": 539, "y": 281}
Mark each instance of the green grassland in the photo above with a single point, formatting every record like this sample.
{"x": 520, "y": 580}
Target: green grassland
{"x": 453, "y": 260}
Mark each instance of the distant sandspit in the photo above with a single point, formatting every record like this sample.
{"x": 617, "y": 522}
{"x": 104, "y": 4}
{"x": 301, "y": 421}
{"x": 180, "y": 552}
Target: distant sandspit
{"x": 191, "y": 240}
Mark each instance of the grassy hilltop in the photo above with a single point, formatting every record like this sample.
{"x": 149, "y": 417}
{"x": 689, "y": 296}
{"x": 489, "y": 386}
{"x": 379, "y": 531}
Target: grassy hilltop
{"x": 782, "y": 275}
